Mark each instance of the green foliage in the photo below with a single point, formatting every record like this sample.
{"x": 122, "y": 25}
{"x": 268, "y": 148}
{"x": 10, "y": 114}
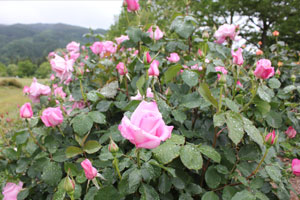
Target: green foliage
{"x": 43, "y": 70}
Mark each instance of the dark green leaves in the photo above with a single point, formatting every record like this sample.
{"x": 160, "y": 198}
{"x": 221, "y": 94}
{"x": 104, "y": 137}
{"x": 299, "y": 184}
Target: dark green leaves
{"x": 274, "y": 119}
{"x": 52, "y": 173}
{"x": 171, "y": 72}
{"x": 206, "y": 94}
{"x": 190, "y": 78}
{"x": 184, "y": 27}
{"x": 166, "y": 152}
{"x": 253, "y": 132}
{"x": 210, "y": 152}
{"x": 212, "y": 177}
{"x": 234, "y": 122}
{"x": 82, "y": 124}
{"x": 72, "y": 151}
{"x": 191, "y": 157}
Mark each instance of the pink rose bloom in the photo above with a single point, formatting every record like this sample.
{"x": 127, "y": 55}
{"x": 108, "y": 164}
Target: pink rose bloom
{"x": 221, "y": 69}
{"x": 174, "y": 58}
{"x": 121, "y": 68}
{"x": 78, "y": 104}
{"x": 296, "y": 167}
{"x": 139, "y": 96}
{"x": 146, "y": 128}
{"x": 237, "y": 57}
{"x": 52, "y": 116}
{"x": 291, "y": 132}
{"x": 226, "y": 31}
{"x": 11, "y": 190}
{"x": 73, "y": 47}
{"x": 238, "y": 83}
{"x": 263, "y": 69}
{"x": 132, "y": 5}
{"x": 62, "y": 67}
{"x": 157, "y": 35}
{"x": 148, "y": 57}
{"x": 121, "y": 39}
{"x": 51, "y": 55}
{"x": 74, "y": 55}
{"x": 89, "y": 170}
{"x": 26, "y": 111}
{"x": 108, "y": 48}
{"x": 200, "y": 53}
{"x": 52, "y": 77}
{"x": 196, "y": 67}
{"x": 206, "y": 60}
{"x": 59, "y": 93}
{"x": 136, "y": 52}
{"x": 26, "y": 89}
{"x": 278, "y": 72}
{"x": 97, "y": 47}
{"x": 270, "y": 138}
{"x": 36, "y": 90}
{"x": 153, "y": 70}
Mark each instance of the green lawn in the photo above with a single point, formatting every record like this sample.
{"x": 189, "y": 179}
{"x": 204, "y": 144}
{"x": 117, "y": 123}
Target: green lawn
{"x": 11, "y": 97}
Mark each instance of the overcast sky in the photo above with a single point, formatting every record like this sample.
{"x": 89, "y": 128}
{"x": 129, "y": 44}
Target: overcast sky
{"x": 90, "y": 14}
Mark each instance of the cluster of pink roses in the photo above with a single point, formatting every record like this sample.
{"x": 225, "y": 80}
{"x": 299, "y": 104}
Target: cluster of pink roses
{"x": 104, "y": 49}
{"x": 36, "y": 90}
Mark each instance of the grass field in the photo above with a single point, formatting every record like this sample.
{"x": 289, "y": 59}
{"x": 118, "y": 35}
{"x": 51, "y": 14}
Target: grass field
{"x": 11, "y": 97}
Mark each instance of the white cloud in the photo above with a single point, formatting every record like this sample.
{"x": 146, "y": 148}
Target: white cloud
{"x": 94, "y": 14}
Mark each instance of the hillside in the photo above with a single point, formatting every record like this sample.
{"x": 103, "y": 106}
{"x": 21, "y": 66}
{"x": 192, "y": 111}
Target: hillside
{"x": 35, "y": 41}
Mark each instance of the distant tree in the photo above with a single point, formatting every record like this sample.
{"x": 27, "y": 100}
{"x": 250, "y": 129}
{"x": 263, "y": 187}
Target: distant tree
{"x": 2, "y": 70}
{"x": 12, "y": 70}
{"x": 44, "y": 70}
{"x": 26, "y": 68}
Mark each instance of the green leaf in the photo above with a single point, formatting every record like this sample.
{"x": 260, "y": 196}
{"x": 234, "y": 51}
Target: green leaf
{"x": 91, "y": 146}
{"x": 23, "y": 194}
{"x": 263, "y": 94}
{"x": 135, "y": 34}
{"x": 274, "y": 119}
{"x": 92, "y": 96}
{"x": 140, "y": 83}
{"x": 219, "y": 119}
{"x": 179, "y": 116}
{"x": 192, "y": 100}
{"x": 260, "y": 195}
{"x": 235, "y": 126}
{"x": 134, "y": 179}
{"x": 274, "y": 83}
{"x": 210, "y": 196}
{"x": 191, "y": 157}
{"x": 228, "y": 193}
{"x": 212, "y": 177}
{"x": 206, "y": 94}
{"x": 253, "y": 132}
{"x": 171, "y": 73}
{"x": 148, "y": 192}
{"x": 232, "y": 105}
{"x": 262, "y": 106}
{"x": 21, "y": 137}
{"x": 90, "y": 195}
{"x": 190, "y": 78}
{"x": 274, "y": 173}
{"x": 183, "y": 26}
{"x": 82, "y": 124}
{"x": 243, "y": 195}
{"x": 59, "y": 195}
{"x": 110, "y": 90}
{"x": 210, "y": 152}
{"x": 103, "y": 105}
{"x": 166, "y": 152}
{"x": 72, "y": 151}
{"x": 52, "y": 173}
{"x": 108, "y": 193}
{"x": 164, "y": 184}
{"x": 249, "y": 152}
{"x": 177, "y": 139}
{"x": 185, "y": 196}
{"x": 289, "y": 88}
{"x": 222, "y": 169}
{"x": 97, "y": 117}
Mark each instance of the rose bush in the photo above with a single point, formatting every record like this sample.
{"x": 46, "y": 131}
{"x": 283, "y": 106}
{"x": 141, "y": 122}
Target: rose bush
{"x": 159, "y": 114}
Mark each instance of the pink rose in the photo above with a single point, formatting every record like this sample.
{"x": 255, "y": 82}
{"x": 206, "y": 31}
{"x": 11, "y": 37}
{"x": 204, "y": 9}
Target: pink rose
{"x": 237, "y": 56}
{"x": 74, "y": 55}
{"x": 238, "y": 83}
{"x": 51, "y": 55}
{"x": 26, "y": 111}
{"x": 146, "y": 128}
{"x": 263, "y": 69}
{"x": 73, "y": 47}
{"x": 148, "y": 57}
{"x": 62, "y": 67}
{"x": 270, "y": 138}
{"x": 196, "y": 67}
{"x": 36, "y": 90}
{"x": 97, "y": 47}
{"x": 153, "y": 70}
{"x": 121, "y": 68}
{"x": 291, "y": 132}
{"x": 221, "y": 69}
{"x": 59, "y": 93}
{"x": 136, "y": 52}
{"x": 139, "y": 96}
{"x": 26, "y": 89}
{"x": 89, "y": 170}
{"x": 174, "y": 58}
{"x": 200, "y": 53}
{"x": 226, "y": 31}
{"x": 52, "y": 116}
{"x": 11, "y": 190}
{"x": 157, "y": 35}
{"x": 296, "y": 167}
{"x": 52, "y": 77}
{"x": 132, "y": 5}
{"x": 121, "y": 39}
{"x": 108, "y": 48}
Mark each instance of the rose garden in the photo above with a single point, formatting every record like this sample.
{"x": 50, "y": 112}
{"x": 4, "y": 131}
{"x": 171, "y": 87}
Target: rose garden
{"x": 159, "y": 113}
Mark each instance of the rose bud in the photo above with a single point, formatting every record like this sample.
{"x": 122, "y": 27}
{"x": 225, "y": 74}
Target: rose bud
{"x": 113, "y": 147}
{"x": 270, "y": 138}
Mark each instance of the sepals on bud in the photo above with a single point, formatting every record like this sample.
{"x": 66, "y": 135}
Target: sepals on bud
{"x": 113, "y": 147}
{"x": 222, "y": 79}
{"x": 293, "y": 78}
{"x": 271, "y": 139}
{"x": 69, "y": 185}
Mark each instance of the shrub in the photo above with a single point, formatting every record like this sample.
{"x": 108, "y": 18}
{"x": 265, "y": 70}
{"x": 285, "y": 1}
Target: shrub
{"x": 11, "y": 82}
{"x": 133, "y": 121}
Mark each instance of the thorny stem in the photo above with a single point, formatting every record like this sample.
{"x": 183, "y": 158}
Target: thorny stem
{"x": 34, "y": 139}
{"x": 116, "y": 166}
{"x": 60, "y": 131}
{"x": 138, "y": 158}
{"x": 82, "y": 93}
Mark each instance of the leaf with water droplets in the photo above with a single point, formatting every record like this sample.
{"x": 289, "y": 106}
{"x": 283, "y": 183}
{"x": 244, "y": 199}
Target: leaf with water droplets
{"x": 191, "y": 157}
{"x": 166, "y": 152}
{"x": 235, "y": 126}
{"x": 52, "y": 173}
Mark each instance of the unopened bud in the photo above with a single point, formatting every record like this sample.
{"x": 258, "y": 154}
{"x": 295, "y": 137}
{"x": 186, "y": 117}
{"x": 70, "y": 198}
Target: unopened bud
{"x": 113, "y": 147}
{"x": 222, "y": 79}
{"x": 293, "y": 77}
{"x": 69, "y": 185}
{"x": 205, "y": 34}
{"x": 271, "y": 138}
